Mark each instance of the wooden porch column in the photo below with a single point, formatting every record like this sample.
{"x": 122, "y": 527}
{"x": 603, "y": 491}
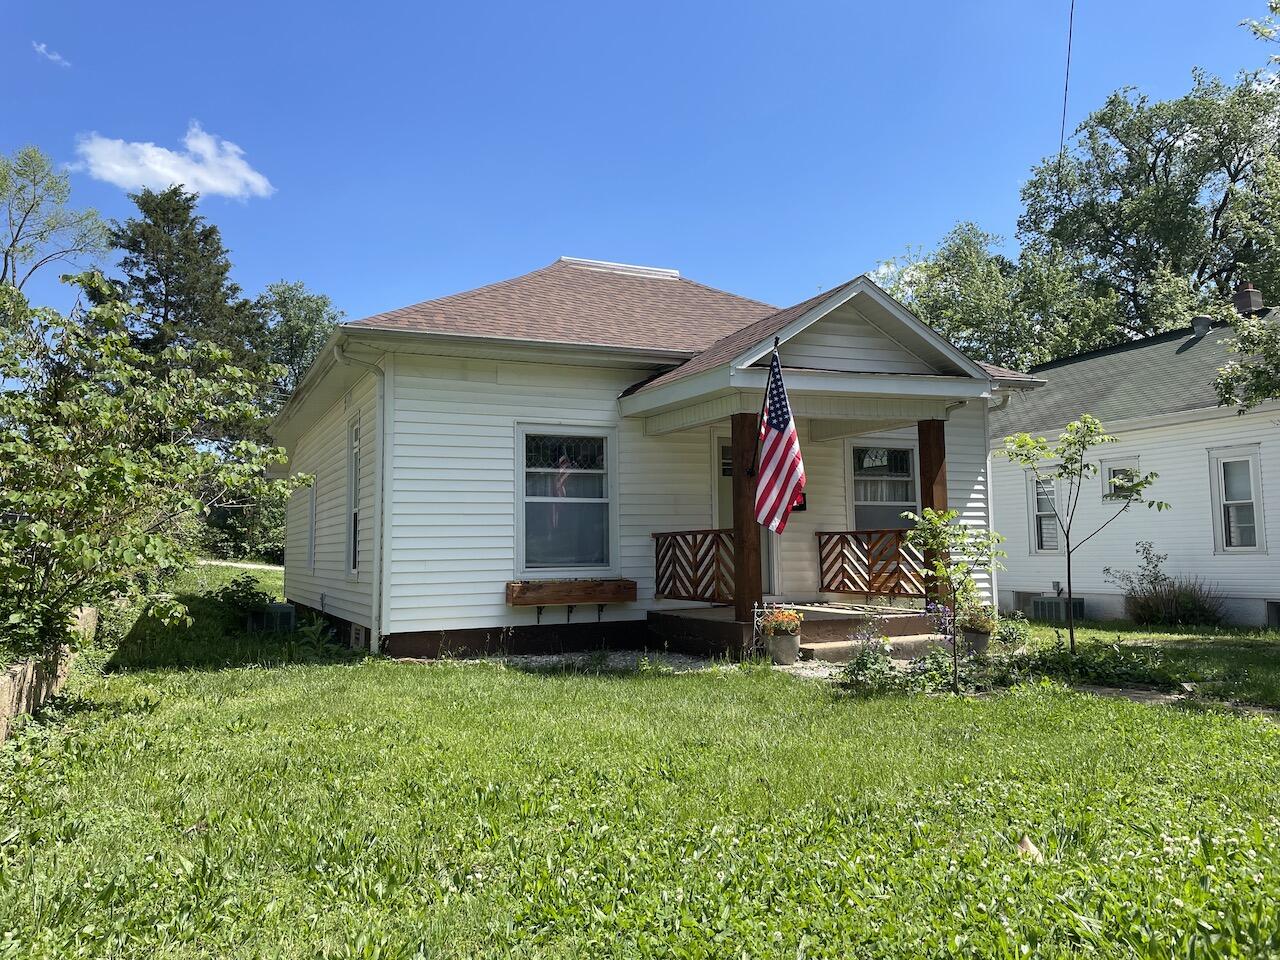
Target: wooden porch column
{"x": 933, "y": 463}
{"x": 747, "y": 587}
{"x": 933, "y": 479}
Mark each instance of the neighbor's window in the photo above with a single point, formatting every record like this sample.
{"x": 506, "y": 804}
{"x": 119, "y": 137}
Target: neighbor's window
{"x": 353, "y": 494}
{"x": 884, "y": 486}
{"x": 1044, "y": 519}
{"x": 566, "y": 500}
{"x": 1116, "y": 474}
{"x": 1237, "y": 500}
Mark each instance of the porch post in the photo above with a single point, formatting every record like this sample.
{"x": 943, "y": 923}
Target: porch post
{"x": 933, "y": 477}
{"x": 747, "y": 588}
{"x": 933, "y": 463}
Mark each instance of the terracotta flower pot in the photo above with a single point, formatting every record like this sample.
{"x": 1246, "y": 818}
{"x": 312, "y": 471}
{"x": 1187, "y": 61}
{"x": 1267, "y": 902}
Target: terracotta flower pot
{"x": 784, "y": 648}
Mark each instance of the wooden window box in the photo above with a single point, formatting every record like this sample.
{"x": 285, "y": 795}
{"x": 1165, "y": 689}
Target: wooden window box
{"x": 549, "y": 593}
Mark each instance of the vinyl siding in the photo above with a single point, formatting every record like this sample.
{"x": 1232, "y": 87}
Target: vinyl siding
{"x": 323, "y": 453}
{"x": 845, "y": 340}
{"x": 452, "y": 494}
{"x": 1180, "y": 455}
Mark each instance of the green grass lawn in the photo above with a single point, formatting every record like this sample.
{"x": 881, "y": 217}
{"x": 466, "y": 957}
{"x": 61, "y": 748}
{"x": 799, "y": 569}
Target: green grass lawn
{"x": 369, "y": 809}
{"x": 1225, "y": 663}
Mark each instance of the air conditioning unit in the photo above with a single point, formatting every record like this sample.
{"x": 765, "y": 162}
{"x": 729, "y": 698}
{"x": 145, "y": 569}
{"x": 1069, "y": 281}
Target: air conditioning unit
{"x": 1053, "y": 609}
{"x": 274, "y": 618}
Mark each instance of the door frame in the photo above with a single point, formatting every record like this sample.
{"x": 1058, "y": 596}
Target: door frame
{"x": 771, "y": 555}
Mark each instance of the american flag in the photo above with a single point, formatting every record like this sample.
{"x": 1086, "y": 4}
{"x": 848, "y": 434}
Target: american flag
{"x": 780, "y": 482}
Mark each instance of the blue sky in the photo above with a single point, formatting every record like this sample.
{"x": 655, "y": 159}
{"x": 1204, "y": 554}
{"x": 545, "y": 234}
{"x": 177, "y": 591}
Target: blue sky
{"x": 395, "y": 152}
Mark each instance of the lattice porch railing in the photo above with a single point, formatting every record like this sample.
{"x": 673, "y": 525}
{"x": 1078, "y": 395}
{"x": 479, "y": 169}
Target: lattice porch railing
{"x": 877, "y": 562}
{"x": 694, "y": 565}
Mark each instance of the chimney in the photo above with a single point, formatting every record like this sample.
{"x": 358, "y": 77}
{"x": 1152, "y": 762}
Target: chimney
{"x": 1200, "y": 325}
{"x": 1248, "y": 300}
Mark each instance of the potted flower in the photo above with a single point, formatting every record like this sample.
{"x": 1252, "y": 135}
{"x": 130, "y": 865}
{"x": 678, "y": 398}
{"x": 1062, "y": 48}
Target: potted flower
{"x": 978, "y": 621}
{"x": 781, "y": 629}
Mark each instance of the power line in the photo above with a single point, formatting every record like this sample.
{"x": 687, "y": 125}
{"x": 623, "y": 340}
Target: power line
{"x": 1066, "y": 82}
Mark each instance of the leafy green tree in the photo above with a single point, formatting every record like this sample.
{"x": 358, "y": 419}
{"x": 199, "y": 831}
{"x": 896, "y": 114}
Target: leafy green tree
{"x": 1015, "y": 313}
{"x": 1255, "y": 377}
{"x": 177, "y": 279}
{"x": 298, "y": 323}
{"x": 1066, "y": 465}
{"x": 38, "y": 228}
{"x": 1183, "y": 186}
{"x": 102, "y": 452}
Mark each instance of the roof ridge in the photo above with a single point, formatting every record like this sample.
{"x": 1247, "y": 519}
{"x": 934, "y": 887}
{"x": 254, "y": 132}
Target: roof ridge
{"x": 1162, "y": 336}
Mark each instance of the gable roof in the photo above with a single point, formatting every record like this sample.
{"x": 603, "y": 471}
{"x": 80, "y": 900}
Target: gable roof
{"x": 1166, "y": 373}
{"x": 591, "y": 302}
{"x": 741, "y": 341}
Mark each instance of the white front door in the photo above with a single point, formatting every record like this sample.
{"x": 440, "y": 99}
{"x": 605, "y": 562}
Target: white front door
{"x": 722, "y": 495}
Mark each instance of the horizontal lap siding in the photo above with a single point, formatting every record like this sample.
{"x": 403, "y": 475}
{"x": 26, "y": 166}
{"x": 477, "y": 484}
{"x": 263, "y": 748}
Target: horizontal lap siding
{"x": 322, "y": 453}
{"x": 452, "y": 496}
{"x": 845, "y": 340}
{"x": 824, "y": 467}
{"x": 1180, "y": 455}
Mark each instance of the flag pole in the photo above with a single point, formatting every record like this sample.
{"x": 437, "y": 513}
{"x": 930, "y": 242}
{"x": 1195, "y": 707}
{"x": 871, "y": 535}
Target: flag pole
{"x": 764, "y": 403}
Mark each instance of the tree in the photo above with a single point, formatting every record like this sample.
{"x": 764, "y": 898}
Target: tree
{"x": 177, "y": 280}
{"x": 39, "y": 228}
{"x": 1065, "y": 466}
{"x": 1255, "y": 378}
{"x": 102, "y": 452}
{"x": 954, "y": 553}
{"x": 1184, "y": 186}
{"x": 298, "y": 324}
{"x": 1016, "y": 313}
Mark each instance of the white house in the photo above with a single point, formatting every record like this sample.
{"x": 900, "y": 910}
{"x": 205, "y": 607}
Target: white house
{"x": 1219, "y": 471}
{"x": 557, "y": 456}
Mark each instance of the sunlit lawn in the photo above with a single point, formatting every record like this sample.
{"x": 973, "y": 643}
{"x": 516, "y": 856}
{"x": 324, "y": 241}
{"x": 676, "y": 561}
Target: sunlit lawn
{"x": 1225, "y": 663}
{"x": 381, "y": 810}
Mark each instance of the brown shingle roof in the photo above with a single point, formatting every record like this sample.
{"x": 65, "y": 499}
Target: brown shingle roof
{"x": 585, "y": 302}
{"x": 1004, "y": 373}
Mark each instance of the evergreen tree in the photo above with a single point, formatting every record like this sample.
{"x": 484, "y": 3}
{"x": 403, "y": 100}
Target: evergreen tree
{"x": 177, "y": 279}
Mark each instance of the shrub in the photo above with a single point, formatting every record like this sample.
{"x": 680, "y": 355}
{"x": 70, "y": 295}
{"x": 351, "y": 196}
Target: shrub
{"x": 1153, "y": 597}
{"x": 242, "y": 593}
{"x": 1012, "y": 631}
{"x": 977, "y": 617}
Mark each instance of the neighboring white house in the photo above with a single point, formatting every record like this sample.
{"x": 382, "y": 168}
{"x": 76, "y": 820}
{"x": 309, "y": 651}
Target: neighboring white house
{"x": 1219, "y": 471}
{"x": 566, "y": 449}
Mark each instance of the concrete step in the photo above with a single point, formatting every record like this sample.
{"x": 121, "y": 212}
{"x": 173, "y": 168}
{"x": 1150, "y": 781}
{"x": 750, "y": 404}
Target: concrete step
{"x": 842, "y": 651}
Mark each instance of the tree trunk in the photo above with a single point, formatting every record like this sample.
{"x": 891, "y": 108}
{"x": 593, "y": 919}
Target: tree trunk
{"x": 1071, "y": 611}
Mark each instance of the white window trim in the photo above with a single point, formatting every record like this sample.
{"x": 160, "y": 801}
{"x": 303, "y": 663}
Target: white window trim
{"x": 355, "y": 438}
{"x": 575, "y": 429}
{"x": 311, "y": 524}
{"x": 1032, "y": 544}
{"x": 1113, "y": 463}
{"x": 1217, "y": 456}
{"x": 851, "y": 470}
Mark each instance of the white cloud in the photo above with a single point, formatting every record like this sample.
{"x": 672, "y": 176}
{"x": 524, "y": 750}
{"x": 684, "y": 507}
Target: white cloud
{"x": 208, "y": 164}
{"x": 53, "y": 56}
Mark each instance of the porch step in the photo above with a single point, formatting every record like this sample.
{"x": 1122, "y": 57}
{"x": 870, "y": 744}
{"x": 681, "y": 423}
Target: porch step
{"x": 900, "y": 648}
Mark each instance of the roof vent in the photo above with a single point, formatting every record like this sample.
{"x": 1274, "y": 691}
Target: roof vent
{"x": 1200, "y": 325}
{"x": 1248, "y": 299}
{"x": 629, "y": 268}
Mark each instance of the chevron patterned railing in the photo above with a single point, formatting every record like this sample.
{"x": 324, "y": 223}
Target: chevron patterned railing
{"x": 694, "y": 565}
{"x": 879, "y": 562}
